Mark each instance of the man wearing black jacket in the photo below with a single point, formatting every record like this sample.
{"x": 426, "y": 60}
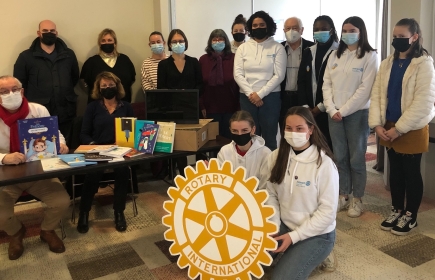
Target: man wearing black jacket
{"x": 294, "y": 47}
{"x": 49, "y": 71}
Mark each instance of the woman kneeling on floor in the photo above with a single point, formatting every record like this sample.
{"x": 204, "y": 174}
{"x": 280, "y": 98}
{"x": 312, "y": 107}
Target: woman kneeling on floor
{"x": 303, "y": 189}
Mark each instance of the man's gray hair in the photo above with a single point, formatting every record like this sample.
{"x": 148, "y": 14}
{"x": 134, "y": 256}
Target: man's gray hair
{"x": 299, "y": 21}
{"x": 4, "y": 77}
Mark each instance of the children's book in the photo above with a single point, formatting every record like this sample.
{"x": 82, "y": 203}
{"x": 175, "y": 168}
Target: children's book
{"x": 165, "y": 137}
{"x": 124, "y": 132}
{"x": 94, "y": 148}
{"x": 118, "y": 152}
{"x": 75, "y": 160}
{"x": 52, "y": 164}
{"x": 148, "y": 138}
{"x": 138, "y": 127}
{"x": 39, "y": 138}
{"x": 133, "y": 153}
{"x": 96, "y": 157}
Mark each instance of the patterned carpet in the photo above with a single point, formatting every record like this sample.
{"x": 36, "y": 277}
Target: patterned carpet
{"x": 362, "y": 249}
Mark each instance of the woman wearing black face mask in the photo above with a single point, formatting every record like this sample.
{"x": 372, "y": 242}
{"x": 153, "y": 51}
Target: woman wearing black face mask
{"x": 402, "y": 105}
{"x": 98, "y": 128}
{"x": 259, "y": 68}
{"x": 108, "y": 59}
{"x": 247, "y": 149}
{"x": 238, "y": 30}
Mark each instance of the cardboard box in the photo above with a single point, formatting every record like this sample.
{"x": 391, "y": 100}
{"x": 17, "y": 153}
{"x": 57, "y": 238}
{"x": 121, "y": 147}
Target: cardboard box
{"x": 191, "y": 137}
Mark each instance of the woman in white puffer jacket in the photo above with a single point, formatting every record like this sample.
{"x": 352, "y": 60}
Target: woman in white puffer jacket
{"x": 402, "y": 105}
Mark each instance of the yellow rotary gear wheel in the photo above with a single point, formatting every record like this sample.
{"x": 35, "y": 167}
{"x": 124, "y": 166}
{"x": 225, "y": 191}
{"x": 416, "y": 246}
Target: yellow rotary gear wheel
{"x": 218, "y": 223}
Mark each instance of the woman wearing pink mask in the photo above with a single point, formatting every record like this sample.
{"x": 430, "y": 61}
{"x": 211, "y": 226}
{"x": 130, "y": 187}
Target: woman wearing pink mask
{"x": 303, "y": 189}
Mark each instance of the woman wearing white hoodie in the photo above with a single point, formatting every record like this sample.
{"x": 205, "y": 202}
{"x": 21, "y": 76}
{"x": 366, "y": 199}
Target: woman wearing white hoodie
{"x": 401, "y": 108}
{"x": 246, "y": 149}
{"x": 303, "y": 189}
{"x": 347, "y": 84}
{"x": 259, "y": 68}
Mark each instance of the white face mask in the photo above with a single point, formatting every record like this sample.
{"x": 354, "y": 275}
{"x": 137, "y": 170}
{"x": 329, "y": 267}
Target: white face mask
{"x": 296, "y": 139}
{"x": 12, "y": 101}
{"x": 292, "y": 36}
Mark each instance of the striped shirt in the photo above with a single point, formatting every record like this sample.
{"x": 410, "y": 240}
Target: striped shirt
{"x": 149, "y": 73}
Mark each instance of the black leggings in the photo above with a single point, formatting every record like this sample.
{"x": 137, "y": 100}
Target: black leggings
{"x": 405, "y": 180}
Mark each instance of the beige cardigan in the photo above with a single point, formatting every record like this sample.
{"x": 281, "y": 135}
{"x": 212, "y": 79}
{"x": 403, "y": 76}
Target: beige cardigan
{"x": 418, "y": 95}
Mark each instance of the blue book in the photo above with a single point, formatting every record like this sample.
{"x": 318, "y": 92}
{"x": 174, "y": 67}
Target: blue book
{"x": 76, "y": 160}
{"x": 39, "y": 138}
{"x": 138, "y": 127}
{"x": 148, "y": 138}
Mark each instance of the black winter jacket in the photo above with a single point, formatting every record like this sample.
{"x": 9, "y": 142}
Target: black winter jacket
{"x": 49, "y": 83}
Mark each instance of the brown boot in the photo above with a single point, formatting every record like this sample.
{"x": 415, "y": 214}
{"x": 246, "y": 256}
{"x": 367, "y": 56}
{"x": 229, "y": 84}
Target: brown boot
{"x": 54, "y": 242}
{"x": 16, "y": 247}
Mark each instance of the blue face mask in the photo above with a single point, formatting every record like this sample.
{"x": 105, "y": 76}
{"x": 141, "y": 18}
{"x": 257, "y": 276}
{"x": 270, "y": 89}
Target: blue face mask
{"x": 157, "y": 48}
{"x": 322, "y": 36}
{"x": 219, "y": 46}
{"x": 178, "y": 48}
{"x": 350, "y": 38}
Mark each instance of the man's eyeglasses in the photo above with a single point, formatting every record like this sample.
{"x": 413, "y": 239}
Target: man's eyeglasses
{"x": 14, "y": 90}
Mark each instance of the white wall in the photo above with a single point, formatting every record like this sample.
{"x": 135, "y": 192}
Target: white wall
{"x": 198, "y": 19}
{"x": 78, "y": 23}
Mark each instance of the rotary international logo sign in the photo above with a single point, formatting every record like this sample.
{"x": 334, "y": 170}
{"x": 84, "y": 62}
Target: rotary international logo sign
{"x": 218, "y": 223}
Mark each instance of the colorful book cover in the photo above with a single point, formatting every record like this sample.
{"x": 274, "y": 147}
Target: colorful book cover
{"x": 75, "y": 160}
{"x": 39, "y": 138}
{"x": 138, "y": 127}
{"x": 124, "y": 131}
{"x": 148, "y": 138}
{"x": 118, "y": 152}
{"x": 133, "y": 153}
{"x": 165, "y": 137}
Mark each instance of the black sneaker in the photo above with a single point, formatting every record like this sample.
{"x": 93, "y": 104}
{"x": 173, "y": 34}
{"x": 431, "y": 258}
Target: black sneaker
{"x": 405, "y": 224}
{"x": 391, "y": 221}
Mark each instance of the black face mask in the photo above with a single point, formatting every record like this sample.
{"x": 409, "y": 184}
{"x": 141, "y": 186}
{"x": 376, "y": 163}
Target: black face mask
{"x": 259, "y": 33}
{"x": 107, "y": 48}
{"x": 109, "y": 92}
{"x": 48, "y": 38}
{"x": 239, "y": 37}
{"x": 242, "y": 139}
{"x": 401, "y": 44}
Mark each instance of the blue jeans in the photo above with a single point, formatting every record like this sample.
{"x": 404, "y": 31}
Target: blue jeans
{"x": 300, "y": 259}
{"x": 349, "y": 140}
{"x": 265, "y": 117}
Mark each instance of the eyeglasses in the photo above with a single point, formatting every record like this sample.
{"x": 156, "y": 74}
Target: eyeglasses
{"x": 295, "y": 28}
{"x": 14, "y": 90}
{"x": 179, "y": 41}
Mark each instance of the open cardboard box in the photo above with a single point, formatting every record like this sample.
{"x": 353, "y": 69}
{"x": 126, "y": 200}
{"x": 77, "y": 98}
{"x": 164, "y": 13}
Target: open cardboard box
{"x": 191, "y": 137}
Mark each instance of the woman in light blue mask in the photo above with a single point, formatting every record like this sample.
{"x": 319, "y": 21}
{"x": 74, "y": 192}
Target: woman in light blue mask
{"x": 347, "y": 84}
{"x": 179, "y": 71}
{"x": 149, "y": 65}
{"x": 220, "y": 98}
{"x": 312, "y": 69}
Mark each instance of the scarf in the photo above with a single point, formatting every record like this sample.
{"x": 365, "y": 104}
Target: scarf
{"x": 216, "y": 74}
{"x": 11, "y": 120}
{"x": 110, "y": 59}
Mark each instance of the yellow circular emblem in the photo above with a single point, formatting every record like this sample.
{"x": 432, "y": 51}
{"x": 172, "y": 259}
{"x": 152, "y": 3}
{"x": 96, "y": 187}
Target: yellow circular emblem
{"x": 218, "y": 223}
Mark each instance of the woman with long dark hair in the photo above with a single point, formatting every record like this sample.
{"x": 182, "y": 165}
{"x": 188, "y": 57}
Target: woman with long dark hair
{"x": 347, "y": 83}
{"x": 402, "y": 105}
{"x": 303, "y": 189}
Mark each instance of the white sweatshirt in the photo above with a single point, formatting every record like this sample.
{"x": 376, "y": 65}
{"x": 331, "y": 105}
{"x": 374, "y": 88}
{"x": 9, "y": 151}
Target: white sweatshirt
{"x": 35, "y": 111}
{"x": 348, "y": 82}
{"x": 253, "y": 160}
{"x": 306, "y": 201}
{"x": 260, "y": 67}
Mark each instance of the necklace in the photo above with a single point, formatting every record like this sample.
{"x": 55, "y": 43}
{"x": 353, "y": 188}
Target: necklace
{"x": 401, "y": 61}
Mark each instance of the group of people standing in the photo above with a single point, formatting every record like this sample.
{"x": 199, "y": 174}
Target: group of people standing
{"x": 321, "y": 96}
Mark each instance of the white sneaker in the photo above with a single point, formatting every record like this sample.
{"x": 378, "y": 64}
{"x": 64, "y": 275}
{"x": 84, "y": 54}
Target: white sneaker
{"x": 330, "y": 263}
{"x": 355, "y": 208}
{"x": 342, "y": 203}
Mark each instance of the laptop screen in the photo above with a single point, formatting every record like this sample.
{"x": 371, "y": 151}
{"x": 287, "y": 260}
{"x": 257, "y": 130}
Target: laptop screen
{"x": 172, "y": 105}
